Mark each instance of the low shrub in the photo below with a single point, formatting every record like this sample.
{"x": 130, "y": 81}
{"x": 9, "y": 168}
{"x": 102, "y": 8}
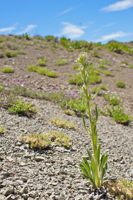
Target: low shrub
{"x": 8, "y": 54}
{"x": 7, "y": 69}
{"x": 113, "y": 99}
{"x": 104, "y": 87}
{"x": 42, "y": 63}
{"x": 95, "y": 53}
{"x": 120, "y": 84}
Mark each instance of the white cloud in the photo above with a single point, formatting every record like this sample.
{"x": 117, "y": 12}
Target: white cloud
{"x": 119, "y": 5}
{"x": 66, "y": 11}
{"x": 8, "y": 29}
{"x": 27, "y": 29}
{"x": 113, "y": 35}
{"x": 72, "y": 31}
{"x": 107, "y": 25}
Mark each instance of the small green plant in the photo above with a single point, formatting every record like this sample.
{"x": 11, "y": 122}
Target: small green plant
{"x": 120, "y": 84}
{"x": 108, "y": 73}
{"x": 69, "y": 74}
{"x": 44, "y": 140}
{"x": 1, "y": 40}
{"x": 104, "y": 62}
{"x": 1, "y": 88}
{"x": 61, "y": 62}
{"x": 125, "y": 62}
{"x": 94, "y": 90}
{"x": 131, "y": 66}
{"x": 42, "y": 63}
{"x": 62, "y": 123}
{"x": 102, "y": 66}
{"x": 95, "y": 171}
{"x": 19, "y": 51}
{"x": 113, "y": 99}
{"x": 2, "y": 129}
{"x": 41, "y": 57}
{"x": 121, "y": 189}
{"x": 76, "y": 67}
{"x": 78, "y": 80}
{"x": 26, "y": 36}
{"x": 95, "y": 53}
{"x": 118, "y": 69}
{"x": 20, "y": 108}
{"x": 8, "y": 54}
{"x": 7, "y": 69}
{"x": 69, "y": 112}
{"x": 42, "y": 71}
{"x": 14, "y": 54}
{"x": 104, "y": 87}
{"x": 119, "y": 115}
{"x": 114, "y": 46}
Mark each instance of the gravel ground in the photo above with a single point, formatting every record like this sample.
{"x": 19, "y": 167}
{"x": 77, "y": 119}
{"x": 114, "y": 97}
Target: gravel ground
{"x": 54, "y": 173}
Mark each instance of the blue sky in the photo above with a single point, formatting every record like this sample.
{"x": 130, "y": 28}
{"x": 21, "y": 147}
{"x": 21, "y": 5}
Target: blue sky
{"x": 96, "y": 21}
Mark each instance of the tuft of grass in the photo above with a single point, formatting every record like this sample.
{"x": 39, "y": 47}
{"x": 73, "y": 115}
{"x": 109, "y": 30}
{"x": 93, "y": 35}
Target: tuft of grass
{"x": 102, "y": 66}
{"x": 92, "y": 78}
{"x": 63, "y": 124}
{"x": 69, "y": 112}
{"x": 2, "y": 129}
{"x": 14, "y": 54}
{"x": 7, "y": 69}
{"x": 118, "y": 69}
{"x": 125, "y": 62}
{"x": 42, "y": 63}
{"x": 1, "y": 40}
{"x": 104, "y": 87}
{"x": 131, "y": 66}
{"x": 21, "y": 52}
{"x": 120, "y": 84}
{"x": 61, "y": 62}
{"x": 69, "y": 74}
{"x": 108, "y": 73}
{"x": 119, "y": 115}
{"x": 44, "y": 140}
{"x": 42, "y": 71}
{"x": 104, "y": 62}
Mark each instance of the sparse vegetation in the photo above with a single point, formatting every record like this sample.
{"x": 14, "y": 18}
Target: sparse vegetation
{"x": 2, "y": 129}
{"x": 113, "y": 99}
{"x": 7, "y": 69}
{"x": 62, "y": 124}
{"x": 8, "y": 54}
{"x": 104, "y": 87}
{"x": 69, "y": 112}
{"x": 61, "y": 62}
{"x": 42, "y": 71}
{"x": 44, "y": 140}
{"x": 42, "y": 63}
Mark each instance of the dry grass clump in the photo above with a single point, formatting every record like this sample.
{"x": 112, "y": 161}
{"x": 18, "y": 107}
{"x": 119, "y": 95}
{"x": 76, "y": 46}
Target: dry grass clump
{"x": 44, "y": 140}
{"x": 63, "y": 124}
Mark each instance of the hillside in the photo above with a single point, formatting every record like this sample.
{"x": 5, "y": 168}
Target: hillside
{"x": 44, "y": 72}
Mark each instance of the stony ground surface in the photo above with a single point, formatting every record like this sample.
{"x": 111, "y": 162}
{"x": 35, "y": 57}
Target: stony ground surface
{"x": 54, "y": 173}
{"x": 26, "y": 174}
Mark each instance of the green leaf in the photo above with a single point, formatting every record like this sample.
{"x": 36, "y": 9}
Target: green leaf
{"x": 105, "y": 160}
{"x": 87, "y": 165}
{"x": 92, "y": 164}
{"x": 83, "y": 169}
{"x": 89, "y": 154}
{"x": 96, "y": 110}
{"x": 91, "y": 180}
{"x": 84, "y": 121}
{"x": 98, "y": 153}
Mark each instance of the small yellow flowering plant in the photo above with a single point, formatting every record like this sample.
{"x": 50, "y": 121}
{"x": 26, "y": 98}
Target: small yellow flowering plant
{"x": 95, "y": 171}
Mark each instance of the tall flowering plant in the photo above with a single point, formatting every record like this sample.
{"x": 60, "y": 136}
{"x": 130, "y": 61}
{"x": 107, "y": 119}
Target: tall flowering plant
{"x": 95, "y": 171}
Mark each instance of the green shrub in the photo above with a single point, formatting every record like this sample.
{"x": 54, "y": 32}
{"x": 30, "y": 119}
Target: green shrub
{"x": 8, "y": 54}
{"x": 26, "y": 36}
{"x": 1, "y": 40}
{"x": 20, "y": 108}
{"x": 49, "y": 37}
{"x": 41, "y": 57}
{"x": 120, "y": 84}
{"x": 61, "y": 62}
{"x": 62, "y": 123}
{"x": 119, "y": 115}
{"x": 42, "y": 63}
{"x": 95, "y": 53}
{"x": 7, "y": 69}
{"x": 104, "y": 87}
{"x": 14, "y": 54}
{"x": 115, "y": 46}
{"x": 76, "y": 67}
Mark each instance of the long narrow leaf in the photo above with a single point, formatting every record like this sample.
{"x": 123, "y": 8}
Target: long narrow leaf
{"x": 84, "y": 121}
{"x": 87, "y": 165}
{"x": 98, "y": 153}
{"x": 89, "y": 154}
{"x": 96, "y": 110}
{"x": 92, "y": 164}
{"x": 104, "y": 160}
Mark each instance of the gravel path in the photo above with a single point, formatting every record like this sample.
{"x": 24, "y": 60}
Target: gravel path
{"x": 54, "y": 174}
